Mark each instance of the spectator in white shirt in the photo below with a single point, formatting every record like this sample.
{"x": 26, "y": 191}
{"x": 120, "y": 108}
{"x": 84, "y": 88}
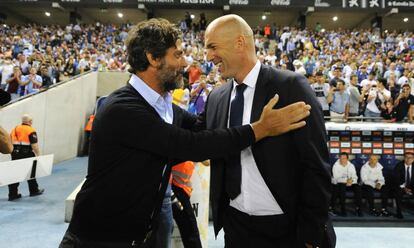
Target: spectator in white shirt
{"x": 6, "y": 69}
{"x": 404, "y": 79}
{"x": 373, "y": 180}
{"x": 377, "y": 97}
{"x": 321, "y": 89}
{"x": 369, "y": 82}
{"x": 344, "y": 177}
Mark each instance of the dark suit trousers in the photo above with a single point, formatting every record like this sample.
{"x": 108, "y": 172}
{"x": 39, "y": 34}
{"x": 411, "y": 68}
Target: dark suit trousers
{"x": 399, "y": 193}
{"x": 245, "y": 231}
{"x": 186, "y": 220}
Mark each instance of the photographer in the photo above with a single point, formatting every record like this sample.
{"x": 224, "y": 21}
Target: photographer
{"x": 198, "y": 95}
{"x": 339, "y": 100}
{"x": 377, "y": 96}
{"x": 404, "y": 104}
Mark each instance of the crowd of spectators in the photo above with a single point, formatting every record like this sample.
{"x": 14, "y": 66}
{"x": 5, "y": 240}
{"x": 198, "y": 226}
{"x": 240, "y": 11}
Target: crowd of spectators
{"x": 354, "y": 73}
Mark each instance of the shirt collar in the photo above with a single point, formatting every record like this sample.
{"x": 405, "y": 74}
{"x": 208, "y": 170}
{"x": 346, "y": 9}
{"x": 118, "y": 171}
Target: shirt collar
{"x": 150, "y": 95}
{"x": 251, "y": 79}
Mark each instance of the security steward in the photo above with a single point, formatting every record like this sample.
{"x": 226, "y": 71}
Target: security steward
{"x": 24, "y": 139}
{"x": 183, "y": 213}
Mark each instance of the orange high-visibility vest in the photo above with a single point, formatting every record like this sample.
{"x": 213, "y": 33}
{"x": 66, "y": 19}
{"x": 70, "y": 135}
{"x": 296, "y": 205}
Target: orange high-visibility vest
{"x": 20, "y": 135}
{"x": 88, "y": 126}
{"x": 181, "y": 175}
{"x": 267, "y": 30}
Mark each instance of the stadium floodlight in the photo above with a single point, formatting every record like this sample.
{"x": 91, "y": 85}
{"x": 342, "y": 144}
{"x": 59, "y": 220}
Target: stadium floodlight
{"x": 264, "y": 17}
{"x": 335, "y": 18}
{"x": 323, "y": 30}
{"x": 47, "y": 14}
{"x": 192, "y": 16}
{"x": 405, "y": 19}
{"x": 120, "y": 15}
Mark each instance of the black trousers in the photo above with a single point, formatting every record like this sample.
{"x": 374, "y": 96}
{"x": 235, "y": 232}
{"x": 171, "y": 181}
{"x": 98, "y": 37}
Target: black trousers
{"x": 369, "y": 194}
{"x": 339, "y": 191}
{"x": 398, "y": 194}
{"x": 33, "y": 186}
{"x": 245, "y": 231}
{"x": 186, "y": 220}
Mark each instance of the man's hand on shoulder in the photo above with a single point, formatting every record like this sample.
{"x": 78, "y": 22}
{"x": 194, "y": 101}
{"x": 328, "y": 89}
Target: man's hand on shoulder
{"x": 274, "y": 122}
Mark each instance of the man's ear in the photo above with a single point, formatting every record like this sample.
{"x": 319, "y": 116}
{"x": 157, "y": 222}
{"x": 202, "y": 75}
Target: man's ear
{"x": 153, "y": 62}
{"x": 240, "y": 43}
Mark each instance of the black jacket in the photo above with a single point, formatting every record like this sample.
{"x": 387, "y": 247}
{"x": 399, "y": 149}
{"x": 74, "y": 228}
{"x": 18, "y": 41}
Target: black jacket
{"x": 130, "y": 146}
{"x": 295, "y": 165}
{"x": 399, "y": 175}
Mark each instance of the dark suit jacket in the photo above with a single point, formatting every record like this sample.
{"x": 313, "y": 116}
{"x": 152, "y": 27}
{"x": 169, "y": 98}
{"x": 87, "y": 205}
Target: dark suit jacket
{"x": 399, "y": 175}
{"x": 295, "y": 165}
{"x": 130, "y": 146}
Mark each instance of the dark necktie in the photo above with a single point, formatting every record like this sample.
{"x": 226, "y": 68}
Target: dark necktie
{"x": 408, "y": 179}
{"x": 233, "y": 169}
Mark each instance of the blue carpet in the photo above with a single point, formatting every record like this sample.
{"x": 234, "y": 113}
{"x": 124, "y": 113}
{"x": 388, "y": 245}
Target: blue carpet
{"x": 38, "y": 222}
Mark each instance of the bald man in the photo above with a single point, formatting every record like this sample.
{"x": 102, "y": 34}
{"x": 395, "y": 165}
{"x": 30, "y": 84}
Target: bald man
{"x": 275, "y": 193}
{"x": 24, "y": 139}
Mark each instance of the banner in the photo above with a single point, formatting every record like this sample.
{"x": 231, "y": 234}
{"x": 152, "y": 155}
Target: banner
{"x": 346, "y": 4}
{"x": 17, "y": 171}
{"x": 370, "y": 138}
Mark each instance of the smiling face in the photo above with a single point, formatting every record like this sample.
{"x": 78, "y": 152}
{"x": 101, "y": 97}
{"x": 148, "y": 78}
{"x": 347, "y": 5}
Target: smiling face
{"x": 221, "y": 51}
{"x": 229, "y": 44}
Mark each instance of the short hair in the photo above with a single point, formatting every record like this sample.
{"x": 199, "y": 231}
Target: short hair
{"x": 344, "y": 154}
{"x": 383, "y": 81}
{"x": 409, "y": 153}
{"x": 154, "y": 36}
{"x": 340, "y": 81}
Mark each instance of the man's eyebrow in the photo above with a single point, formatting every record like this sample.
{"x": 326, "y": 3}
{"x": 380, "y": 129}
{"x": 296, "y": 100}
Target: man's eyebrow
{"x": 210, "y": 45}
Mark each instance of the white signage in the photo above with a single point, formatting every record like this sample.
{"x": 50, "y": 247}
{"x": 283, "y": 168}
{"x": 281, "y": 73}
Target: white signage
{"x": 197, "y": 1}
{"x": 280, "y": 2}
{"x": 23, "y": 169}
{"x": 319, "y": 3}
{"x": 400, "y": 3}
{"x": 238, "y": 2}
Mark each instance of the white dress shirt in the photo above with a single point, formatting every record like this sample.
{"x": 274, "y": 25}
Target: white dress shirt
{"x": 342, "y": 173}
{"x": 371, "y": 176}
{"x": 255, "y": 197}
{"x": 161, "y": 104}
{"x": 405, "y": 173}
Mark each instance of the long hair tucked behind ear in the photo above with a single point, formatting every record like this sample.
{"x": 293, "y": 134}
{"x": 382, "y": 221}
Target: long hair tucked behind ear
{"x": 154, "y": 36}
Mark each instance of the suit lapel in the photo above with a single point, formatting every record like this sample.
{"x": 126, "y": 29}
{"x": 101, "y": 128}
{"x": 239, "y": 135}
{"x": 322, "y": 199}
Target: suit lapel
{"x": 260, "y": 96}
{"x": 223, "y": 104}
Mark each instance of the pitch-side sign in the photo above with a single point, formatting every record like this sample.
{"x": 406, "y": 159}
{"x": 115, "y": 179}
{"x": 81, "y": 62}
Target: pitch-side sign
{"x": 24, "y": 169}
